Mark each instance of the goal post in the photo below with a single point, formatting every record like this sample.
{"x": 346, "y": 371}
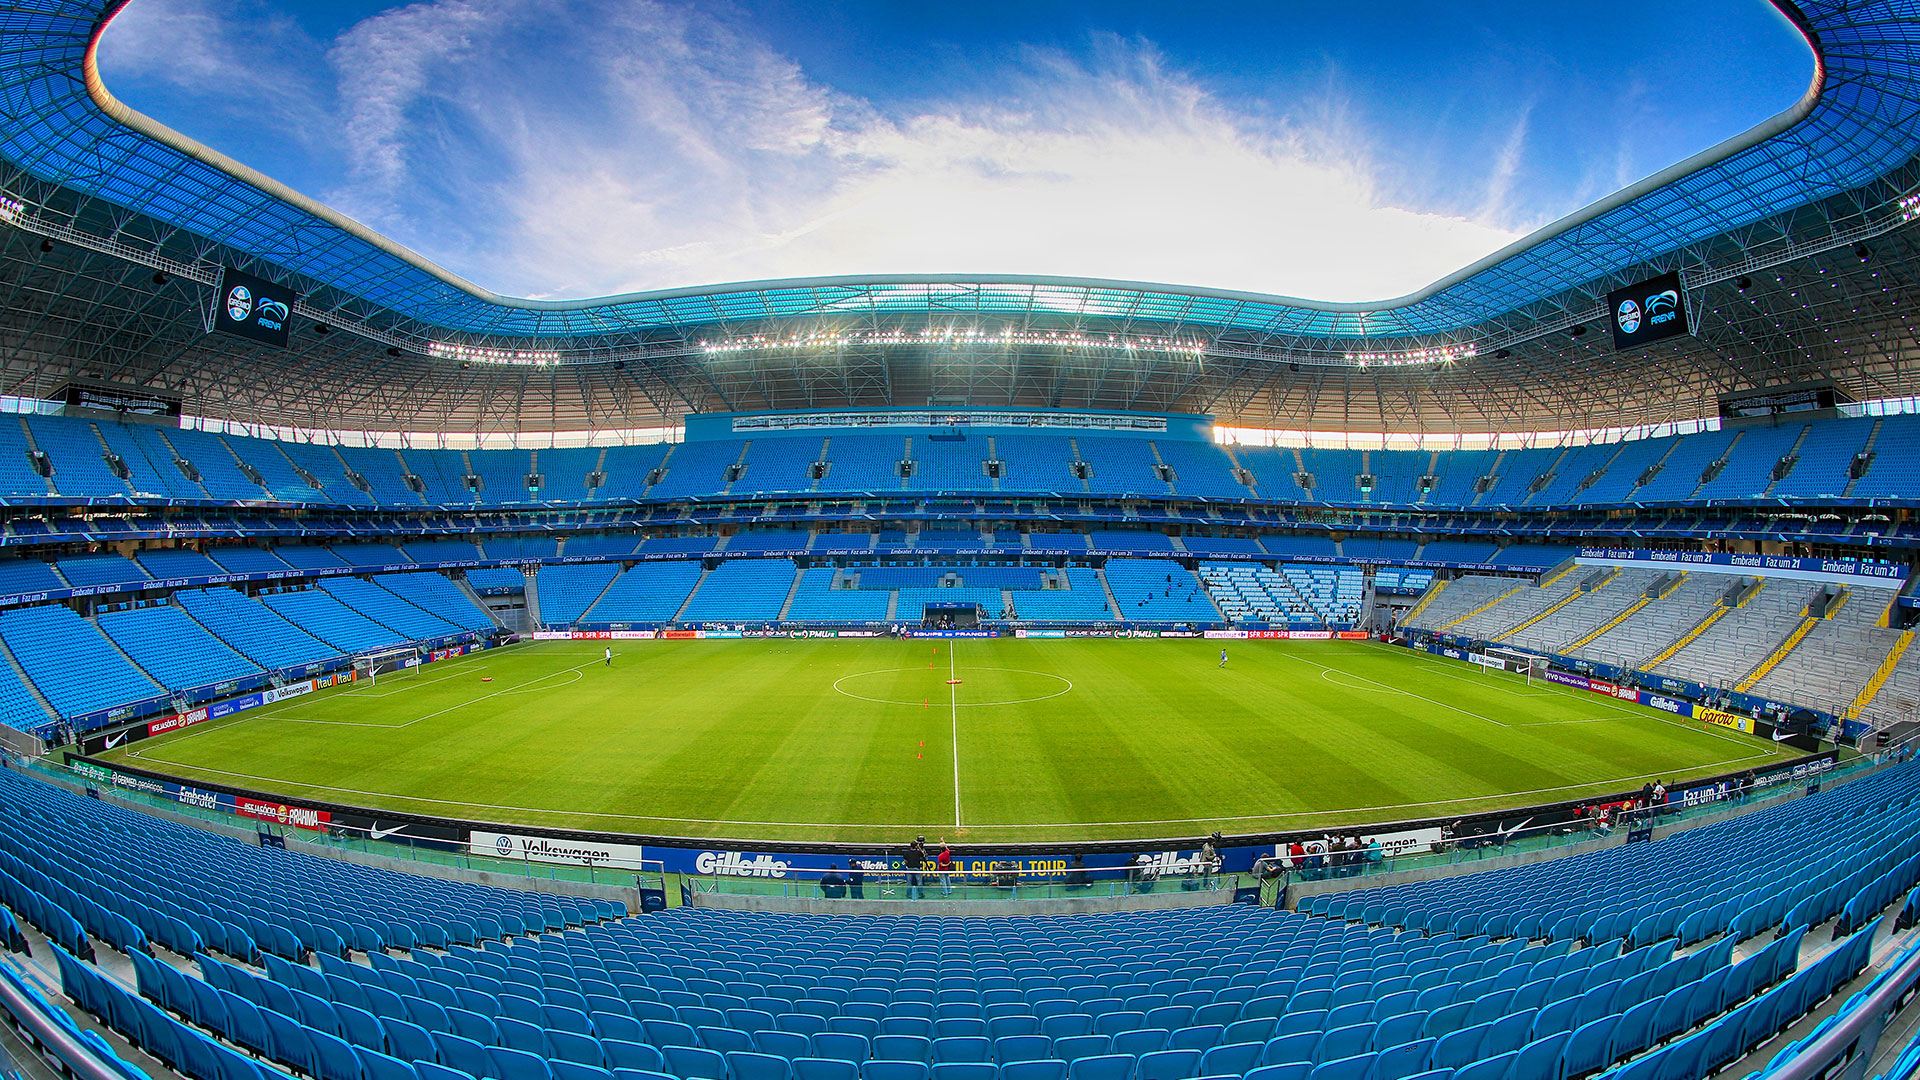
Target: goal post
{"x": 370, "y": 666}
{"x": 1515, "y": 662}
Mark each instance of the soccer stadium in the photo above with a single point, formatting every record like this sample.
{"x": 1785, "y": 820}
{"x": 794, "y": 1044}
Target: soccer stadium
{"x": 952, "y": 675}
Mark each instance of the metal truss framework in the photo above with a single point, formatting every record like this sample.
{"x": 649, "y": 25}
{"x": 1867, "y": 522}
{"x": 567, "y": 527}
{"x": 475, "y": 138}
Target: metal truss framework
{"x": 1768, "y": 233}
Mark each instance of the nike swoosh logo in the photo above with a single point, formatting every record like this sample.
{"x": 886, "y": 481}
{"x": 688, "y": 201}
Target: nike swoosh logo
{"x": 379, "y": 833}
{"x": 116, "y": 740}
{"x": 1782, "y": 736}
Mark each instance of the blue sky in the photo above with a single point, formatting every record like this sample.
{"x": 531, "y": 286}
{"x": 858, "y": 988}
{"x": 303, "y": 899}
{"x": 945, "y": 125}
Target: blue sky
{"x": 568, "y": 148}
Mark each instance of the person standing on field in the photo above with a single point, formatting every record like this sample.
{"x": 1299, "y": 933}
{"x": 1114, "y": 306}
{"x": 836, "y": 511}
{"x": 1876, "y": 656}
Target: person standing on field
{"x": 609, "y": 656}
{"x": 1223, "y": 658}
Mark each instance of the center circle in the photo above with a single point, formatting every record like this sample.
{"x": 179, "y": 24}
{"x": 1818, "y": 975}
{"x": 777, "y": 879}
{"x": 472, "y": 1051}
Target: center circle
{"x": 1065, "y": 686}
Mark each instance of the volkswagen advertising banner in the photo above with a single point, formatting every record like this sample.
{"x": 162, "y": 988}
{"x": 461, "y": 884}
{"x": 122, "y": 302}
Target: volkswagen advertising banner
{"x": 253, "y": 308}
{"x": 1650, "y": 311}
{"x": 549, "y": 850}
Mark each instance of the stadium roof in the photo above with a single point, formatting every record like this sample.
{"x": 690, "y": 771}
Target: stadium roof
{"x": 134, "y": 196}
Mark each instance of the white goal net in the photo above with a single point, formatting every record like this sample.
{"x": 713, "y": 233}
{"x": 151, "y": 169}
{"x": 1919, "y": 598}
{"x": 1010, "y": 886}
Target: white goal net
{"x": 370, "y": 666}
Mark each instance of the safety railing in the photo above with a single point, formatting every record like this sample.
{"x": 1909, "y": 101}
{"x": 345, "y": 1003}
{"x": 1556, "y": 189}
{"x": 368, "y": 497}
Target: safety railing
{"x": 1009, "y": 882}
{"x": 337, "y": 838}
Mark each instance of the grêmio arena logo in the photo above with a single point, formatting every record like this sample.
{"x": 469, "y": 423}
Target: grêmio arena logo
{"x": 1662, "y": 308}
{"x": 272, "y": 314}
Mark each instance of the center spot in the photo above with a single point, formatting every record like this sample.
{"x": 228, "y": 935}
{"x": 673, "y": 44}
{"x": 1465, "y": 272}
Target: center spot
{"x": 1040, "y": 686}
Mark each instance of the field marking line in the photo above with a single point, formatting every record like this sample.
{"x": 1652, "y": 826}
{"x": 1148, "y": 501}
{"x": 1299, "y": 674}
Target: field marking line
{"x": 1409, "y": 693}
{"x": 1329, "y": 675}
{"x": 1442, "y": 667}
{"x": 953, "y": 724}
{"x": 1601, "y": 783}
{"x": 451, "y": 708}
{"x": 407, "y": 684}
{"x": 964, "y": 704}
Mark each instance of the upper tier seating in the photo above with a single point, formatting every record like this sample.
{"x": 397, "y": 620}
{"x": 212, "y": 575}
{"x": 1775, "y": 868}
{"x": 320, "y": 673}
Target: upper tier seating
{"x": 496, "y": 579}
{"x": 1083, "y": 600}
{"x": 178, "y": 563}
{"x": 70, "y": 661}
{"x": 104, "y": 569}
{"x": 255, "y": 630}
{"x": 173, "y": 649}
{"x": 1730, "y": 465}
{"x": 818, "y": 601}
{"x": 247, "y": 559}
{"x": 27, "y": 576}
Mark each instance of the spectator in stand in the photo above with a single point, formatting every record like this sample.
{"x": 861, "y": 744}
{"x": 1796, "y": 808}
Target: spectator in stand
{"x": 832, "y": 885}
{"x": 856, "y": 880}
{"x": 1646, "y": 794}
{"x": 1296, "y": 856}
{"x": 943, "y": 863}
{"x": 1375, "y": 853}
{"x": 1077, "y": 872}
{"x": 1659, "y": 793}
{"x": 1209, "y": 858}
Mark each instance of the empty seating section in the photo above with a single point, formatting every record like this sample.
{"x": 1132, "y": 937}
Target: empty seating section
{"x": 247, "y": 559}
{"x": 431, "y": 551}
{"x": 172, "y": 649}
{"x": 567, "y": 591}
{"x": 1738, "y": 641}
{"x": 1395, "y": 579}
{"x": 748, "y": 590}
{"x": 71, "y": 662}
{"x": 78, "y": 457}
{"x": 149, "y": 463}
{"x": 1459, "y": 598}
{"x": 1376, "y": 549}
{"x": 1223, "y": 545}
{"x": 1832, "y": 663}
{"x": 436, "y": 595}
{"x": 563, "y": 473}
{"x": 697, "y": 469}
{"x": 370, "y": 554}
{"x": 1660, "y": 471}
{"x": 1036, "y": 463}
{"x": 84, "y": 570}
{"x": 913, "y": 602}
{"x": 1496, "y": 622}
{"x": 948, "y": 464}
{"x": 27, "y": 576}
{"x": 18, "y": 707}
{"x": 496, "y": 579}
{"x": 1083, "y": 600}
{"x": 1120, "y": 466}
{"x": 627, "y": 470}
{"x": 177, "y": 563}
{"x": 1590, "y": 609}
{"x": 381, "y": 471}
{"x": 1895, "y": 468}
{"x": 514, "y": 548}
{"x": 1158, "y": 590}
{"x": 603, "y": 544}
{"x": 864, "y": 462}
{"x": 780, "y": 466}
{"x": 309, "y": 556}
{"x": 1300, "y": 547}
{"x": 650, "y": 592}
{"x": 280, "y": 465}
{"x": 1129, "y": 540}
{"x": 389, "y": 610}
{"x": 503, "y": 476}
{"x": 819, "y": 600}
{"x": 253, "y": 629}
{"x": 1533, "y": 556}
{"x": 1200, "y": 470}
{"x": 1333, "y": 594}
{"x": 16, "y": 466}
{"x": 758, "y": 540}
{"x": 931, "y": 539}
{"x": 664, "y": 545}
{"x": 1642, "y": 635}
{"x": 319, "y": 613}
{"x": 1469, "y": 552}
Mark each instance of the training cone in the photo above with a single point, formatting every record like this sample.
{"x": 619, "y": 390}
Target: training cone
{"x": 486, "y": 678}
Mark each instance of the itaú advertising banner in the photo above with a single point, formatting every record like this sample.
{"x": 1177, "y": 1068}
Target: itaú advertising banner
{"x": 548, "y": 850}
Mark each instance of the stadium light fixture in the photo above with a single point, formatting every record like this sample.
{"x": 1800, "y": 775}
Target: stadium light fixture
{"x": 12, "y": 210}
{"x": 955, "y": 337}
{"x": 446, "y": 350}
{"x": 1442, "y": 354}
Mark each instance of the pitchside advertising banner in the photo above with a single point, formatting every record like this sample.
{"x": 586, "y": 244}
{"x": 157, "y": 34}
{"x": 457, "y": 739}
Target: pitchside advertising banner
{"x": 254, "y": 308}
{"x": 278, "y": 813}
{"x": 549, "y": 850}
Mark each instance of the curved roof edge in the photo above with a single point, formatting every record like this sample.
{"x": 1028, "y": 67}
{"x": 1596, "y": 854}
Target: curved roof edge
{"x": 1829, "y": 141}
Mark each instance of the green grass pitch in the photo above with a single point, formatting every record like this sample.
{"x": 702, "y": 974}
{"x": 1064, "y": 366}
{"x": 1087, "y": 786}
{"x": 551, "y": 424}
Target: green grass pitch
{"x": 1039, "y": 740}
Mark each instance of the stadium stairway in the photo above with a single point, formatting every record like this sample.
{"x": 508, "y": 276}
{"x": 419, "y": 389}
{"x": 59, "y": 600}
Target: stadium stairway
{"x": 693, "y": 592}
{"x": 1433, "y": 592}
{"x": 531, "y": 591}
{"x": 1779, "y": 653}
{"x": 1880, "y": 675}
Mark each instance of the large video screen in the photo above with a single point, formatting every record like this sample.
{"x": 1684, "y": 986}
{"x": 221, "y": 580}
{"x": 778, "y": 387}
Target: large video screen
{"x": 254, "y": 308}
{"x": 1653, "y": 310}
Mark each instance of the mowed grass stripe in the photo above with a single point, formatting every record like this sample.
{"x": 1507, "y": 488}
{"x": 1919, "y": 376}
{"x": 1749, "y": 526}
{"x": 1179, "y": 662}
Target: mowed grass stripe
{"x": 749, "y": 739}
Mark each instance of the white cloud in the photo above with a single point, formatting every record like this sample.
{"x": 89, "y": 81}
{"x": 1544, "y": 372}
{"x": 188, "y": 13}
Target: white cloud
{"x": 582, "y": 147}
{"x": 231, "y": 53}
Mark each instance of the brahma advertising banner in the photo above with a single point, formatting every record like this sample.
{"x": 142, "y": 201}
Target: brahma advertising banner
{"x": 299, "y": 817}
